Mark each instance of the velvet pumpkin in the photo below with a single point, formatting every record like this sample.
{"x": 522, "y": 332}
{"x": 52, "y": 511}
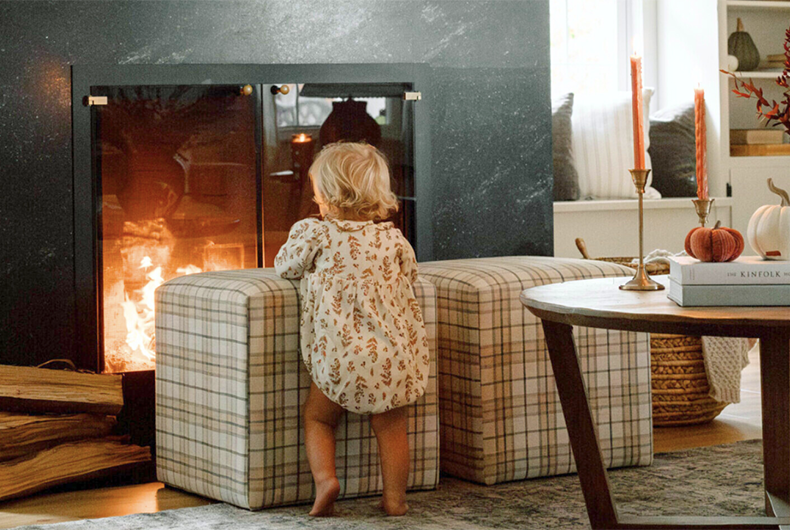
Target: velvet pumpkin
{"x": 714, "y": 244}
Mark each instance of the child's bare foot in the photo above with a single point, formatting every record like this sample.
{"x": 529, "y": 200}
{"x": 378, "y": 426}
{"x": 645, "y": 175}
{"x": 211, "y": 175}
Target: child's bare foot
{"x": 326, "y": 494}
{"x": 394, "y": 509}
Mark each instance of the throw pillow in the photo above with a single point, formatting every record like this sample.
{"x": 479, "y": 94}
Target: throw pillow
{"x": 603, "y": 144}
{"x": 673, "y": 151}
{"x": 566, "y": 179}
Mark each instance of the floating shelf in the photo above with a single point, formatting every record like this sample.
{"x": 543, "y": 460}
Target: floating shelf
{"x": 758, "y": 4}
{"x": 759, "y": 74}
{"x": 760, "y": 150}
{"x": 759, "y": 163}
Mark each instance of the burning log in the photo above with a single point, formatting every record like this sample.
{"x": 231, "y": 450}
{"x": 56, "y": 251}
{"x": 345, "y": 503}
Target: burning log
{"x": 22, "y": 434}
{"x": 27, "y": 389}
{"x": 70, "y": 462}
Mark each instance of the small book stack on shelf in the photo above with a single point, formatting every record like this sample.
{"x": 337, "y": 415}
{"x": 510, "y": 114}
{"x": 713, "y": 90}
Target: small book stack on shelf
{"x": 774, "y": 61}
{"x": 746, "y": 281}
{"x": 758, "y": 142}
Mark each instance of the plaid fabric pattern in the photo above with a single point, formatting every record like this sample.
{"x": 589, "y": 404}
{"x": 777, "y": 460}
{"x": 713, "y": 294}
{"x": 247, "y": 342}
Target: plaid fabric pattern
{"x": 229, "y": 388}
{"x": 501, "y": 417}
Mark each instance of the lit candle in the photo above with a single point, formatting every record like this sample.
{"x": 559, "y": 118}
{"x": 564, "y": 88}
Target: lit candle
{"x": 301, "y": 154}
{"x": 701, "y": 141}
{"x": 637, "y": 111}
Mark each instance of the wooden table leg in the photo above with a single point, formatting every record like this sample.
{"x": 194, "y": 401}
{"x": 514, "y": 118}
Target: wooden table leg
{"x": 583, "y": 434}
{"x": 581, "y": 427}
{"x": 775, "y": 383}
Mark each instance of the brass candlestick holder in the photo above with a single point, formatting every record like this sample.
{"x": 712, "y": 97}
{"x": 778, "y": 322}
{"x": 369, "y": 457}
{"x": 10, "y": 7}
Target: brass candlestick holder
{"x": 641, "y": 280}
{"x": 703, "y": 208}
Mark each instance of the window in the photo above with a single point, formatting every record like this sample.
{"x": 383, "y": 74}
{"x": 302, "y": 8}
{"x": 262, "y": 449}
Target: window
{"x": 590, "y": 44}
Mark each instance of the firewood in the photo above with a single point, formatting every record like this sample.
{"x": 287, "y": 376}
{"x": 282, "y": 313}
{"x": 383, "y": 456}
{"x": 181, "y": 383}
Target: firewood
{"x": 70, "y": 462}
{"x": 22, "y": 434}
{"x": 26, "y": 389}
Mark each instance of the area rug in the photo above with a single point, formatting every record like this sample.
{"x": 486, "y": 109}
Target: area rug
{"x": 719, "y": 480}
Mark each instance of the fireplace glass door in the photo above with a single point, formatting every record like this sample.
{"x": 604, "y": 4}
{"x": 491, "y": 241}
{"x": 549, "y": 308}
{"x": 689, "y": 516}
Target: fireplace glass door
{"x": 195, "y": 178}
{"x": 299, "y": 119}
{"x": 178, "y": 187}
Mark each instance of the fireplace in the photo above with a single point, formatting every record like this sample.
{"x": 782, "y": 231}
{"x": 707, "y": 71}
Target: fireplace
{"x": 180, "y": 170}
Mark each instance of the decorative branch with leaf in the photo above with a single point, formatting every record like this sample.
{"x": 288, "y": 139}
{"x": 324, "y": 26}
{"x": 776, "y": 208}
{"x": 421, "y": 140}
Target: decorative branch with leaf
{"x": 772, "y": 112}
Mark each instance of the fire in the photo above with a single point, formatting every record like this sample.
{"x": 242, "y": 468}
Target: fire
{"x": 140, "y": 316}
{"x": 189, "y": 269}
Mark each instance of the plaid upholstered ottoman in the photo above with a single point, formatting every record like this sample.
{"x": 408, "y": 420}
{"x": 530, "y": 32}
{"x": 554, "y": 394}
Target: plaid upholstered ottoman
{"x": 229, "y": 388}
{"x": 501, "y": 418}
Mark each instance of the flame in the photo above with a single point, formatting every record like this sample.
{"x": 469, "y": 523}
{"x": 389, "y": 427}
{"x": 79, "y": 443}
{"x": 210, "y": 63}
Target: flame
{"x": 140, "y": 316}
{"x": 189, "y": 269}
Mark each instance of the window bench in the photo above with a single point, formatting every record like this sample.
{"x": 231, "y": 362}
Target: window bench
{"x": 610, "y": 228}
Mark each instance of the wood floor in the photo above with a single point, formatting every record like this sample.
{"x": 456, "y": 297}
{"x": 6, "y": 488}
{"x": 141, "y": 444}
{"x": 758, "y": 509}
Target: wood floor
{"x": 737, "y": 422}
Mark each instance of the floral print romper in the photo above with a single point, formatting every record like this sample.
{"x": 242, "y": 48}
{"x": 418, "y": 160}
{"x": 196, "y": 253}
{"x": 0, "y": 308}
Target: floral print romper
{"x": 362, "y": 334}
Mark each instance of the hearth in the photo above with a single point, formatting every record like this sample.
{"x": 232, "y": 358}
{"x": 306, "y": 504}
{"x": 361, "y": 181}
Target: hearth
{"x": 186, "y": 169}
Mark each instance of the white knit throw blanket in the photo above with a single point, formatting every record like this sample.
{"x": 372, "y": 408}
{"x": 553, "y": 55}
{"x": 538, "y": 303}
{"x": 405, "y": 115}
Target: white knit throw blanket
{"x": 725, "y": 357}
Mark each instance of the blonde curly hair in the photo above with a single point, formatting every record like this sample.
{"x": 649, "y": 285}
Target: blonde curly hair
{"x": 353, "y": 180}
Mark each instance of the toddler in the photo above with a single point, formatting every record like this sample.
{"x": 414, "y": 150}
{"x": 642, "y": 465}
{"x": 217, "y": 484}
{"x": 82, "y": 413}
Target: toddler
{"x": 362, "y": 335}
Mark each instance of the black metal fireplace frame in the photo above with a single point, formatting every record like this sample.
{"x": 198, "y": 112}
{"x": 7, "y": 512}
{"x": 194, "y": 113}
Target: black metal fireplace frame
{"x": 86, "y": 216}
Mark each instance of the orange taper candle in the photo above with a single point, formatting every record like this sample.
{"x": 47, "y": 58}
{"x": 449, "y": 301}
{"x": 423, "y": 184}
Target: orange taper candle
{"x": 702, "y": 143}
{"x": 637, "y": 111}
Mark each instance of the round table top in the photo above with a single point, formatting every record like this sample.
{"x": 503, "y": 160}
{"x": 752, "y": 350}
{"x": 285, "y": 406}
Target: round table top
{"x": 600, "y": 303}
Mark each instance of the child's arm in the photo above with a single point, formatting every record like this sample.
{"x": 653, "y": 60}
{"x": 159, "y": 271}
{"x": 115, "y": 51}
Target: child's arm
{"x": 298, "y": 253}
{"x": 407, "y": 260}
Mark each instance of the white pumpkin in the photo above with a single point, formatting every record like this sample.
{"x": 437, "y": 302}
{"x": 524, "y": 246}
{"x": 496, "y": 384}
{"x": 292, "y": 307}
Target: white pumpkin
{"x": 769, "y": 228}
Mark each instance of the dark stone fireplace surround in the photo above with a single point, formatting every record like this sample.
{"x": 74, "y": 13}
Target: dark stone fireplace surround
{"x": 486, "y": 66}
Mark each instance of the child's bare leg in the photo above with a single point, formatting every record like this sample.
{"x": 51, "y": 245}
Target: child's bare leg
{"x": 320, "y": 420}
{"x": 391, "y": 430}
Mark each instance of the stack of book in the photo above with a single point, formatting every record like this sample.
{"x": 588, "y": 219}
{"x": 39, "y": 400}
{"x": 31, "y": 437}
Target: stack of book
{"x": 746, "y": 281}
{"x": 774, "y": 61}
{"x": 758, "y": 142}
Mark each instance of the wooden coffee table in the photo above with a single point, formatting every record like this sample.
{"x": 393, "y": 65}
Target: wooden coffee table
{"x": 600, "y": 304}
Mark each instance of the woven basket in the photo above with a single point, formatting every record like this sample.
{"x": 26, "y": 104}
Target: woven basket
{"x": 678, "y": 378}
{"x": 652, "y": 268}
{"x": 679, "y": 382}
